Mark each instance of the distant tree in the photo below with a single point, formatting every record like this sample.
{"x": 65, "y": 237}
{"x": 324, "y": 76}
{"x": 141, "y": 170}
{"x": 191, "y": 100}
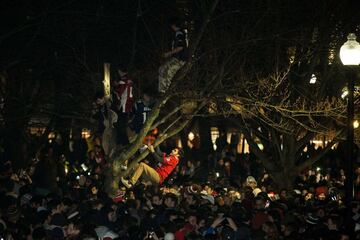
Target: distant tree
{"x": 266, "y": 90}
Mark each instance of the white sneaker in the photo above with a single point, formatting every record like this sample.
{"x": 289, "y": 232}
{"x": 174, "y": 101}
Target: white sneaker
{"x": 126, "y": 183}
{"x": 143, "y": 148}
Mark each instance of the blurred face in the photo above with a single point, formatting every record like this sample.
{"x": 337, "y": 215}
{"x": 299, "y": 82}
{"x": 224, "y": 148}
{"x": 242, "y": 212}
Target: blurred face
{"x": 308, "y": 196}
{"x": 156, "y": 200}
{"x": 146, "y": 98}
{"x": 91, "y": 154}
{"x": 169, "y": 203}
{"x": 175, "y": 152}
{"x": 112, "y": 216}
{"x": 283, "y": 194}
{"x": 190, "y": 200}
{"x": 221, "y": 162}
{"x": 192, "y": 220}
{"x": 100, "y": 101}
{"x": 72, "y": 230}
{"x": 322, "y": 196}
{"x": 304, "y": 192}
{"x": 259, "y": 204}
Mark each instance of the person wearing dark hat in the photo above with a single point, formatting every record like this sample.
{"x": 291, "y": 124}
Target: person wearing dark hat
{"x": 156, "y": 176}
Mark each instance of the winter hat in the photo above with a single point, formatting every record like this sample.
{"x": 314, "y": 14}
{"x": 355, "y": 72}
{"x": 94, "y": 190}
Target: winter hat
{"x": 193, "y": 189}
{"x": 256, "y": 191}
{"x": 210, "y": 198}
{"x": 250, "y": 179}
{"x": 169, "y": 236}
{"x": 311, "y": 219}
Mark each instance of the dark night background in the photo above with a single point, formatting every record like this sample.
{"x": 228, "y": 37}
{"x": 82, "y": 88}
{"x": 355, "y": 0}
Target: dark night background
{"x": 52, "y": 52}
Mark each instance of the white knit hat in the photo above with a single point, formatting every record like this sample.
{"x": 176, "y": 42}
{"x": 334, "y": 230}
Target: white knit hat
{"x": 256, "y": 191}
{"x": 169, "y": 236}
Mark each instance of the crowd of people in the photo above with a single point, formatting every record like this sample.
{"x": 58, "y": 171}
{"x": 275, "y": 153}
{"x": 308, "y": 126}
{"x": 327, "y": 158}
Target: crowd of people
{"x": 215, "y": 195}
{"x": 54, "y": 198}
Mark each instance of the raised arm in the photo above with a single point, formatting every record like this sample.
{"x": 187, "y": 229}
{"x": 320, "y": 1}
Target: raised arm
{"x": 158, "y": 155}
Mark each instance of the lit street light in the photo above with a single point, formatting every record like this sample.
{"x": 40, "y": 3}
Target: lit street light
{"x": 356, "y": 124}
{"x": 350, "y": 56}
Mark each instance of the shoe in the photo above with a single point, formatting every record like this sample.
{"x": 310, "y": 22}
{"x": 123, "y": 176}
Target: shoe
{"x": 123, "y": 167}
{"x": 143, "y": 148}
{"x": 126, "y": 183}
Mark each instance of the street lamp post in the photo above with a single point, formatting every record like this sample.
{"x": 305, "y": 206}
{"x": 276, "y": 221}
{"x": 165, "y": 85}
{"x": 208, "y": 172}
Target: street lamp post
{"x": 350, "y": 56}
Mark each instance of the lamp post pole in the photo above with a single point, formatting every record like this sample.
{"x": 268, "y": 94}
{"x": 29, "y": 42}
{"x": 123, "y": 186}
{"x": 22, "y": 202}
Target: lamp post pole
{"x": 350, "y": 57}
{"x": 350, "y": 137}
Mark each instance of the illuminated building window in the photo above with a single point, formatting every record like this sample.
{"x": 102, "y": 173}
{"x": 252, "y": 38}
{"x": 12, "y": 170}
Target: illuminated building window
{"x": 85, "y": 133}
{"x": 313, "y": 79}
{"x": 51, "y": 135}
{"x": 243, "y": 146}
{"x": 214, "y": 132}
{"x": 36, "y": 130}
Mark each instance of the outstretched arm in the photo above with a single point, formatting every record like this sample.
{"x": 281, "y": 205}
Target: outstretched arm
{"x": 158, "y": 155}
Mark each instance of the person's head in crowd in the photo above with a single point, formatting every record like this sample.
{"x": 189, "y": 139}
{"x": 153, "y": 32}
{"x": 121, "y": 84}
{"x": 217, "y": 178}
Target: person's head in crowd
{"x": 221, "y": 162}
{"x": 260, "y": 203}
{"x": 91, "y": 154}
{"x": 147, "y": 97}
{"x": 156, "y": 200}
{"x": 190, "y": 200}
{"x": 304, "y": 192}
{"x": 283, "y": 194}
{"x": 110, "y": 214}
{"x": 99, "y": 98}
{"x": 38, "y": 202}
{"x": 177, "y": 152}
{"x": 66, "y": 204}
{"x": 54, "y": 206}
{"x": 73, "y": 229}
{"x": 309, "y": 196}
{"x": 251, "y": 182}
{"x": 169, "y": 236}
{"x": 170, "y": 200}
{"x": 191, "y": 218}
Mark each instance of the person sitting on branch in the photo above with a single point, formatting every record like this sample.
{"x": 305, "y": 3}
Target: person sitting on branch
{"x": 156, "y": 176}
{"x": 176, "y": 57}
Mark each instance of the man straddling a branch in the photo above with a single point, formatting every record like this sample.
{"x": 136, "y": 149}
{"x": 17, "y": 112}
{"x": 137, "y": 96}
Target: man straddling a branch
{"x": 158, "y": 175}
{"x": 176, "y": 57}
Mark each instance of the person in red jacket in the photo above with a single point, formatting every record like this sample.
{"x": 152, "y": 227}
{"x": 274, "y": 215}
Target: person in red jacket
{"x": 156, "y": 176}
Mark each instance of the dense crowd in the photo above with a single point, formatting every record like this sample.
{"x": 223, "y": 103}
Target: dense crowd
{"x": 215, "y": 195}
{"x": 57, "y": 197}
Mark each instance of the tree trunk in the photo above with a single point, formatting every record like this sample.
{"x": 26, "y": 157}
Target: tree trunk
{"x": 15, "y": 147}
